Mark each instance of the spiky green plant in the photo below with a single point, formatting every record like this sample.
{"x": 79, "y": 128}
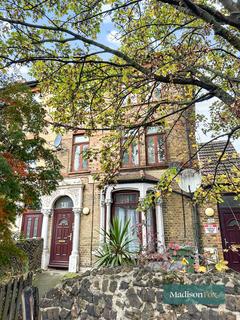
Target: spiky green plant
{"x": 115, "y": 251}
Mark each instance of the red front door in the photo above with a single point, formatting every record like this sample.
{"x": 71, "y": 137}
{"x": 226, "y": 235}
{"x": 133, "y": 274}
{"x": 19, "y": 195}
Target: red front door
{"x": 230, "y": 229}
{"x": 61, "y": 237}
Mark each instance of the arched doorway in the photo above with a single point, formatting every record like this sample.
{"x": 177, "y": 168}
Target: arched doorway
{"x": 62, "y": 231}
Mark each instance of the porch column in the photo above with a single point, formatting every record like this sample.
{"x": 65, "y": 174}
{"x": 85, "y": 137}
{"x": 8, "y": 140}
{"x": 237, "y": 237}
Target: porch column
{"x": 74, "y": 257}
{"x": 160, "y": 226}
{"x": 46, "y": 254}
{"x": 108, "y": 215}
{"x": 102, "y": 219}
{"x": 144, "y": 226}
{"x": 144, "y": 230}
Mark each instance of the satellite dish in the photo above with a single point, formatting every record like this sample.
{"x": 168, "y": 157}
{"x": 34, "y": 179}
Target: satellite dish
{"x": 57, "y": 141}
{"x": 190, "y": 180}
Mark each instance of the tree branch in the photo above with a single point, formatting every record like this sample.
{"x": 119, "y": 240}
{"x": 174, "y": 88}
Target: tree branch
{"x": 221, "y": 94}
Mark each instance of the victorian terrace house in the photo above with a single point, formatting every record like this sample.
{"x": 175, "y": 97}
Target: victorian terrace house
{"x": 70, "y": 219}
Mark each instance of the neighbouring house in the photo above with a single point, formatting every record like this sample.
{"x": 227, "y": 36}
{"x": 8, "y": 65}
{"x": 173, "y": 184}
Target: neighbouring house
{"x": 70, "y": 219}
{"x": 220, "y": 224}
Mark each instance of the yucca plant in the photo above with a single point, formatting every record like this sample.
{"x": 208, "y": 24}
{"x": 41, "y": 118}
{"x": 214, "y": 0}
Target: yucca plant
{"x": 115, "y": 251}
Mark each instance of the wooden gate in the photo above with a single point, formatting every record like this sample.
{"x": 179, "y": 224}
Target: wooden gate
{"x": 19, "y": 299}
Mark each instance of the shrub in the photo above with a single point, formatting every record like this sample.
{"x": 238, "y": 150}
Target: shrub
{"x": 114, "y": 251}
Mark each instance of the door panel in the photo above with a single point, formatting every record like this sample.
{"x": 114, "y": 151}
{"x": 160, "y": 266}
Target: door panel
{"x": 230, "y": 227}
{"x": 61, "y": 246}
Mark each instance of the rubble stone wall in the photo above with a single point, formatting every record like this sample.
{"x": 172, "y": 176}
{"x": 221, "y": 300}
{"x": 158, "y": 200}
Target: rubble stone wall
{"x": 137, "y": 294}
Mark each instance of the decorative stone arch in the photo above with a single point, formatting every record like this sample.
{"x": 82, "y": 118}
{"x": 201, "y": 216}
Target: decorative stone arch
{"x": 66, "y": 188}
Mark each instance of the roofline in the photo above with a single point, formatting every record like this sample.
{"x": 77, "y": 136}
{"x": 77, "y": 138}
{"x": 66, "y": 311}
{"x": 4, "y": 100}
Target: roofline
{"x": 32, "y": 84}
{"x": 136, "y": 180}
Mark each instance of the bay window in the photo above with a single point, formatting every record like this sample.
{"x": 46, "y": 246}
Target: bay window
{"x": 124, "y": 208}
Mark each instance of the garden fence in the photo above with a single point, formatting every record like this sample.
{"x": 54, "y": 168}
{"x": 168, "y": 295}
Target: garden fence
{"x": 19, "y": 300}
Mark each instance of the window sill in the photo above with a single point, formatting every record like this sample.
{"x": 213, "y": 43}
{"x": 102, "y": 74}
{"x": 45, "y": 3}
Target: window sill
{"x": 78, "y": 172}
{"x": 163, "y": 165}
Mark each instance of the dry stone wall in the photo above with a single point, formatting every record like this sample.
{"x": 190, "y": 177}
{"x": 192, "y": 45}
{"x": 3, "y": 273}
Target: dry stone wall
{"x": 136, "y": 294}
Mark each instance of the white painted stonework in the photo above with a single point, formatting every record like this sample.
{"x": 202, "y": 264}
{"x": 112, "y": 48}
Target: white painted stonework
{"x": 73, "y": 188}
{"x": 68, "y": 187}
{"x": 160, "y": 226}
{"x": 74, "y": 257}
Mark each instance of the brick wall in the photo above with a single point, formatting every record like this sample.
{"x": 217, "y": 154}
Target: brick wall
{"x": 178, "y": 221}
{"x": 211, "y": 240}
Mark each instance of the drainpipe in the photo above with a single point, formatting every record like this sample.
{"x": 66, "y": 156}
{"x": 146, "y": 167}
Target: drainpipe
{"x": 102, "y": 217}
{"x": 195, "y": 213}
{"x": 91, "y": 247}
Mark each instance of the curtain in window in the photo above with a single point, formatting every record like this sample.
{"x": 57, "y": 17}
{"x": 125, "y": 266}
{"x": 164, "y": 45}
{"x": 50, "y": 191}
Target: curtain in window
{"x": 151, "y": 238}
{"x": 120, "y": 214}
{"x": 84, "y": 152}
{"x": 124, "y": 214}
{"x": 135, "y": 156}
{"x": 125, "y": 157}
{"x": 133, "y": 229}
{"x": 130, "y": 156}
{"x": 150, "y": 150}
{"x": 160, "y": 148}
{"x": 76, "y": 158}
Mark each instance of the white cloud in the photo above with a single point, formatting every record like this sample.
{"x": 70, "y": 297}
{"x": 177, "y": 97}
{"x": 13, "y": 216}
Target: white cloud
{"x": 107, "y": 17}
{"x": 19, "y": 71}
{"x": 113, "y": 37}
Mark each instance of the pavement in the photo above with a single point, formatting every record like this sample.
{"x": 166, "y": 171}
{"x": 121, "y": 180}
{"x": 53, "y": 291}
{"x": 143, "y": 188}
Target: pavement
{"x": 47, "y": 280}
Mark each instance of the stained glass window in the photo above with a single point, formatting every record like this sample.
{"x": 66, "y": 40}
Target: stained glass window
{"x": 29, "y": 222}
{"x": 63, "y": 222}
{"x": 35, "y": 227}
